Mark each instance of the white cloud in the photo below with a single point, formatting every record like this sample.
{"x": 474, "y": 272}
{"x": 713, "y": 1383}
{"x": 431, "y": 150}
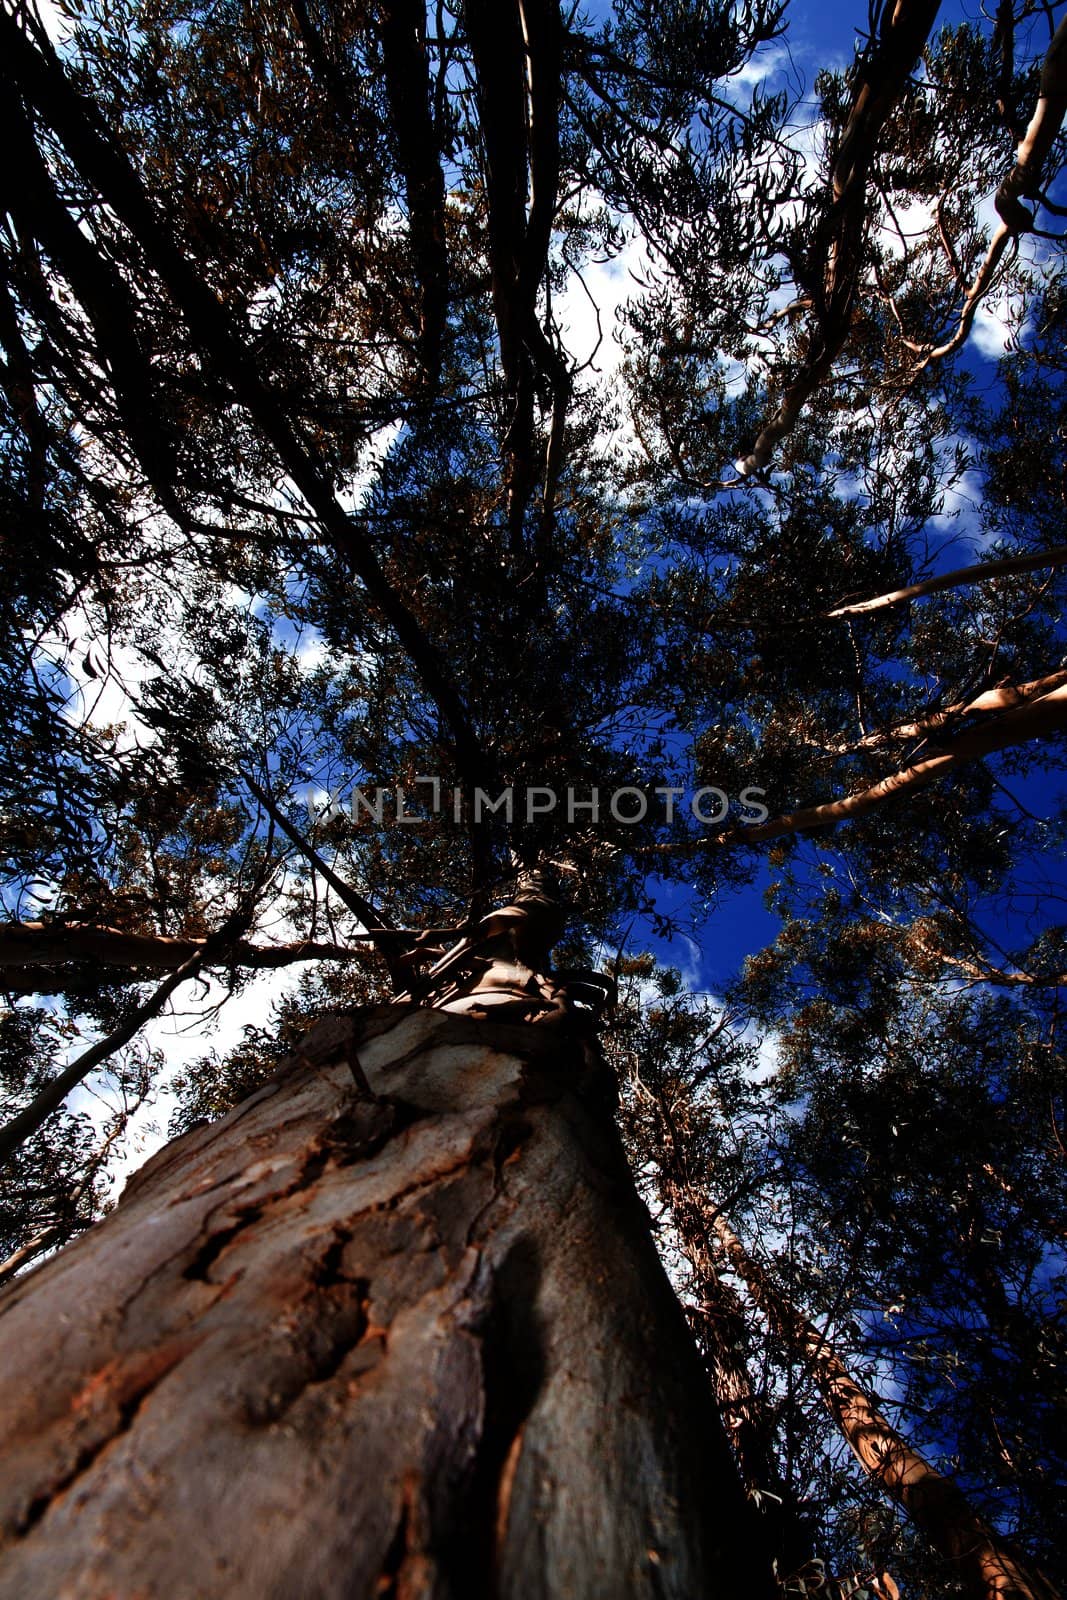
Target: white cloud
{"x": 589, "y": 317}
{"x": 768, "y": 62}
{"x": 56, "y": 20}
{"x": 993, "y": 329}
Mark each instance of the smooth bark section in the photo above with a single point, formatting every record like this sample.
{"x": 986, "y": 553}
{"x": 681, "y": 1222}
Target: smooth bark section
{"x": 1002, "y": 698}
{"x": 1005, "y": 977}
{"x": 395, "y": 1326}
{"x": 959, "y": 578}
{"x": 981, "y": 1561}
{"x": 1036, "y": 720}
{"x": 981, "y": 971}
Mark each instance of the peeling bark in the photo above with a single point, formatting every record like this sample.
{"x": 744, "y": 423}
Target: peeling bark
{"x": 395, "y": 1326}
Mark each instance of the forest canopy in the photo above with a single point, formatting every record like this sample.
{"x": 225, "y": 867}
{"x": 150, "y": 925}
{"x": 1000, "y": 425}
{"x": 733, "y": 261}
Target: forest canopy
{"x": 438, "y": 403}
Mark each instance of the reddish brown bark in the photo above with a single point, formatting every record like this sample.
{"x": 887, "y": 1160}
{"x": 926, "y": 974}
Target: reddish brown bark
{"x": 1023, "y": 181}
{"x": 1035, "y": 719}
{"x": 395, "y": 1326}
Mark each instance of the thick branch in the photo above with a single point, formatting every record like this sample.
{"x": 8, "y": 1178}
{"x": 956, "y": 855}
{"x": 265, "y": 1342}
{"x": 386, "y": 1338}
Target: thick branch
{"x": 983, "y": 971}
{"x": 494, "y": 34}
{"x": 1002, "y": 698}
{"x": 1034, "y": 720}
{"x": 958, "y": 578}
{"x": 542, "y": 36}
{"x": 15, "y": 1133}
{"x": 30, "y": 195}
{"x": 20, "y": 386}
{"x": 516, "y": 50}
{"x": 407, "y": 85}
{"x": 28, "y": 947}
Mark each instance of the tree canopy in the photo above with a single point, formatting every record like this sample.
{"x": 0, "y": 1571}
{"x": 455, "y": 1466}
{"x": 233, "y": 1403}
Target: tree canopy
{"x": 403, "y": 407}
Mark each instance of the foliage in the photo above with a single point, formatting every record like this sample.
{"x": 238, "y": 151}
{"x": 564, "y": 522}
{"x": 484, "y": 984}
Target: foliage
{"x": 311, "y": 480}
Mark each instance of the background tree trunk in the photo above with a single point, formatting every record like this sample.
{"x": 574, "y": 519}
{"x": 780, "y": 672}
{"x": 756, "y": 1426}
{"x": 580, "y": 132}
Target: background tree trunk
{"x": 395, "y": 1326}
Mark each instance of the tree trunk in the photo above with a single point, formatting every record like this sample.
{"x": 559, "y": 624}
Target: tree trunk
{"x": 395, "y": 1326}
{"x": 984, "y": 1564}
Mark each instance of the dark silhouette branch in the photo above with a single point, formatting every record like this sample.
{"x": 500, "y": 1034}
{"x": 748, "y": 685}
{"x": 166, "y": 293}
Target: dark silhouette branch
{"x": 39, "y": 75}
{"x": 14, "y": 1134}
{"x": 372, "y": 920}
{"x": 832, "y": 270}
{"x": 407, "y": 84}
{"x": 516, "y": 48}
{"x": 34, "y": 956}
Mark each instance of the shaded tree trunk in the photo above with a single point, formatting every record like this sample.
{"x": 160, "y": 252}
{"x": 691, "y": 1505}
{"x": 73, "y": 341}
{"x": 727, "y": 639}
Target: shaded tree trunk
{"x": 395, "y": 1326}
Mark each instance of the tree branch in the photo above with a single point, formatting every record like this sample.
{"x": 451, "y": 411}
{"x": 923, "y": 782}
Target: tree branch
{"x": 1002, "y": 698}
{"x": 27, "y": 1122}
{"x": 76, "y": 122}
{"x": 1020, "y": 725}
{"x": 834, "y": 265}
{"x": 371, "y": 919}
{"x": 407, "y": 85}
{"x": 32, "y": 954}
{"x": 1023, "y": 181}
{"x": 1023, "y": 723}
{"x": 958, "y": 578}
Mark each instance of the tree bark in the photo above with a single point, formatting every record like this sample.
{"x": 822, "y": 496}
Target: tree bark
{"x": 394, "y": 1326}
{"x": 1031, "y": 720}
{"x": 981, "y": 572}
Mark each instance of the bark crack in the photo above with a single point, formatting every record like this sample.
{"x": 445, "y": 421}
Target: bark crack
{"x": 126, "y": 1415}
